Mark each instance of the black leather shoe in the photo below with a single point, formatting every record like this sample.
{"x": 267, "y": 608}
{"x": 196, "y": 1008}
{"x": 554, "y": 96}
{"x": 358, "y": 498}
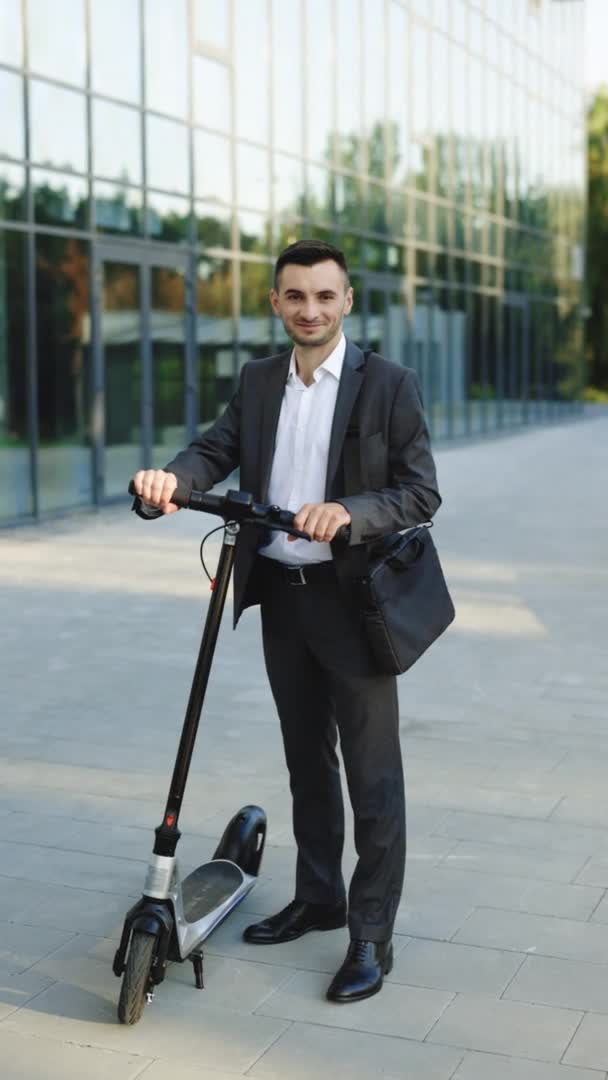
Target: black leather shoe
{"x": 363, "y": 971}
{"x": 294, "y": 920}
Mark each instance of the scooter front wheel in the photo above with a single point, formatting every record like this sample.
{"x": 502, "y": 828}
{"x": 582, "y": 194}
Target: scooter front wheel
{"x": 136, "y": 977}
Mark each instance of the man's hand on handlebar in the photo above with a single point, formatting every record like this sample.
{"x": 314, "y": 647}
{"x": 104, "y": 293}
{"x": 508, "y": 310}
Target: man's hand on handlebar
{"x": 321, "y": 520}
{"x": 155, "y": 487}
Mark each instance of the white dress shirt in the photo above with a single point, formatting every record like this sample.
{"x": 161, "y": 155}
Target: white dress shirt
{"x": 299, "y": 465}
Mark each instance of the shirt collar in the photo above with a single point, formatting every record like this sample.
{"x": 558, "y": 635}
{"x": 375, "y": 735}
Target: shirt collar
{"x": 333, "y": 363}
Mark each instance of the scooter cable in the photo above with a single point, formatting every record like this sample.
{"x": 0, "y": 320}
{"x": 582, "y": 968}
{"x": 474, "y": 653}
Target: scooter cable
{"x": 212, "y": 531}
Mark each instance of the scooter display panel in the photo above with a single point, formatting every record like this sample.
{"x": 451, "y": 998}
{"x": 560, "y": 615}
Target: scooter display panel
{"x": 209, "y": 886}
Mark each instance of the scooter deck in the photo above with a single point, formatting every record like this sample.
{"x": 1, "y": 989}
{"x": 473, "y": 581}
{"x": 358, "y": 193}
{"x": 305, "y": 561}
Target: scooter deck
{"x": 209, "y": 886}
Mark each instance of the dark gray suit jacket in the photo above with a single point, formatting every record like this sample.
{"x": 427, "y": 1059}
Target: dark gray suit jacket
{"x": 380, "y": 467}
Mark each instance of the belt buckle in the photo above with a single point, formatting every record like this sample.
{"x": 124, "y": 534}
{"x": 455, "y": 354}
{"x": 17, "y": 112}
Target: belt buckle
{"x": 299, "y": 570}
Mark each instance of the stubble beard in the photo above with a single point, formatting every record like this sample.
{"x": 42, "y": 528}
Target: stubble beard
{"x": 316, "y": 343}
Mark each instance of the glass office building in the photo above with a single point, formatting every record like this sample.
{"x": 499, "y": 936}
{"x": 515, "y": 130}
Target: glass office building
{"x": 155, "y": 155}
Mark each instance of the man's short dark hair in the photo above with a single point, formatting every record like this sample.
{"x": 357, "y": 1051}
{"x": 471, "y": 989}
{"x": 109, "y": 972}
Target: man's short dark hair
{"x": 309, "y": 253}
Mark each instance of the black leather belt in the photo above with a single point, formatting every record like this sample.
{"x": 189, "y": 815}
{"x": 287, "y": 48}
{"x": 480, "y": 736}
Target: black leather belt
{"x": 322, "y": 573}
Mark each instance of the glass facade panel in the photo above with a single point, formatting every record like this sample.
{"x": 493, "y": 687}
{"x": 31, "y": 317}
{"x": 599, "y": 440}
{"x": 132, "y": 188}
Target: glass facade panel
{"x": 211, "y": 84}
{"x": 214, "y": 335}
{"x": 374, "y": 104}
{"x": 168, "y": 217}
{"x": 117, "y": 142}
{"x": 320, "y": 91}
{"x": 60, "y": 198}
{"x": 121, "y": 340}
{"x": 168, "y": 334}
{"x": 255, "y": 331}
{"x": 213, "y": 225}
{"x": 58, "y": 55}
{"x": 63, "y": 348}
{"x": 212, "y": 167}
{"x": 166, "y": 36}
{"x": 11, "y": 36}
{"x": 115, "y": 58}
{"x": 16, "y": 486}
{"x": 12, "y": 191}
{"x": 398, "y": 94}
{"x": 118, "y": 208}
{"x": 63, "y": 142}
{"x": 252, "y": 179}
{"x": 211, "y": 23}
{"x": 287, "y": 100}
{"x": 12, "y": 131}
{"x": 167, "y": 154}
{"x": 349, "y": 124}
{"x": 251, "y": 29}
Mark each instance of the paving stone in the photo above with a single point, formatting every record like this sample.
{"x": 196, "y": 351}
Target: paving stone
{"x": 306, "y": 1050}
{"x": 23, "y": 1059}
{"x": 549, "y": 836}
{"x": 565, "y": 983}
{"x": 460, "y": 968}
{"x": 482, "y": 1066}
{"x": 403, "y": 1011}
{"x": 589, "y": 1047}
{"x": 478, "y": 1022}
{"x": 181, "y": 1027}
{"x": 22, "y": 946}
{"x": 539, "y": 934}
{"x": 498, "y": 858}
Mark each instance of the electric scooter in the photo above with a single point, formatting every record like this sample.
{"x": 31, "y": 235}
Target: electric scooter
{"x": 173, "y": 917}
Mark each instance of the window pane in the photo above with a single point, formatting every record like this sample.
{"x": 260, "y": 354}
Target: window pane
{"x": 12, "y": 191}
{"x": 213, "y": 225}
{"x": 288, "y": 186}
{"x": 255, "y": 336}
{"x": 15, "y": 489}
{"x": 320, "y": 96}
{"x": 63, "y": 349}
{"x": 11, "y": 38}
{"x": 56, "y": 39}
{"x": 251, "y": 45}
{"x": 168, "y": 217}
{"x": 252, "y": 177}
{"x": 212, "y": 167}
{"x": 167, "y": 150}
{"x": 121, "y": 335}
{"x": 115, "y": 57}
{"x": 117, "y": 141}
{"x": 288, "y": 82}
{"x": 12, "y": 127}
{"x": 374, "y": 98}
{"x": 118, "y": 208}
{"x": 214, "y": 335}
{"x": 166, "y": 38}
{"x": 254, "y": 232}
{"x": 398, "y": 96}
{"x": 60, "y": 199}
{"x": 63, "y": 142}
{"x": 211, "y": 22}
{"x": 211, "y": 93}
{"x": 348, "y": 121}
{"x": 168, "y": 328}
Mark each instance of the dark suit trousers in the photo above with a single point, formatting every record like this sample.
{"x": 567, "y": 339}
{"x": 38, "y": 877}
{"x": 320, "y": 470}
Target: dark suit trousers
{"x": 324, "y": 683}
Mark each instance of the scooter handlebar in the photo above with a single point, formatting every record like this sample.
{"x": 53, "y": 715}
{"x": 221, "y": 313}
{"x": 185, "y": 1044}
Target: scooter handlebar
{"x": 239, "y": 506}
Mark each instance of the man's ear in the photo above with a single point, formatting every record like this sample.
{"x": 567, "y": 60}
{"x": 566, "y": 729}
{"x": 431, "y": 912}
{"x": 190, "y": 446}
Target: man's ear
{"x": 349, "y": 300}
{"x": 274, "y": 300}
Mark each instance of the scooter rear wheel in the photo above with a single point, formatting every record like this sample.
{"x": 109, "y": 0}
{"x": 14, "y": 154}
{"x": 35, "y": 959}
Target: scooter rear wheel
{"x": 136, "y": 977}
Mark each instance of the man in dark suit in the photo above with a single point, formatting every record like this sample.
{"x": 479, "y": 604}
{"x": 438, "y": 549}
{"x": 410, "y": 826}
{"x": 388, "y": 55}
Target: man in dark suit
{"x": 293, "y": 430}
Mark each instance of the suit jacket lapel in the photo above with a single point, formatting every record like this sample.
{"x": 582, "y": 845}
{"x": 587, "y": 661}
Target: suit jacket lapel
{"x": 271, "y": 407}
{"x": 350, "y": 384}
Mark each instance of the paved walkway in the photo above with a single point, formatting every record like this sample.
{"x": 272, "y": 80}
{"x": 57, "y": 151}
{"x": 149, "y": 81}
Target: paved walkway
{"x": 501, "y": 968}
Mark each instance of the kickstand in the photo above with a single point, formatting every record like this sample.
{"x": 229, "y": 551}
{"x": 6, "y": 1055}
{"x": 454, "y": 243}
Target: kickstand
{"x": 197, "y": 964}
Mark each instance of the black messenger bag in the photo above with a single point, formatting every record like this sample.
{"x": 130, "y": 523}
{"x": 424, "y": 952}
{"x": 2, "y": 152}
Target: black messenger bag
{"x": 404, "y": 600}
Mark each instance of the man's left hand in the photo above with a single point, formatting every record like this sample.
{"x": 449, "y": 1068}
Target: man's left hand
{"x": 321, "y": 520}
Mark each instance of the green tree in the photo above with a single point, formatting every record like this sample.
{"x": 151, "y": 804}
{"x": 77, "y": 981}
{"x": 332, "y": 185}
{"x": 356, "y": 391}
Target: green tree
{"x": 597, "y": 241}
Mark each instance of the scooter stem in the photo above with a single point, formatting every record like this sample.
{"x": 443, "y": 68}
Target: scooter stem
{"x": 167, "y": 833}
